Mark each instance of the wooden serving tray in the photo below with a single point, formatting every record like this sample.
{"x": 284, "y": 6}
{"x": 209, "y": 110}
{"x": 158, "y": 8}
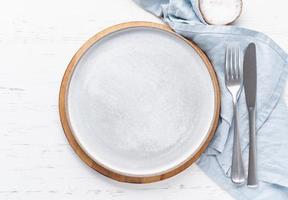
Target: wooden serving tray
{"x": 133, "y": 107}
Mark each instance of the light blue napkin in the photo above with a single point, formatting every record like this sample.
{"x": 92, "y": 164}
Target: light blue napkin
{"x": 272, "y": 127}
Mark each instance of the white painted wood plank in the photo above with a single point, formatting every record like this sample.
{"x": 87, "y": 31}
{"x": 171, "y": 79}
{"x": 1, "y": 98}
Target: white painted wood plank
{"x": 37, "y": 40}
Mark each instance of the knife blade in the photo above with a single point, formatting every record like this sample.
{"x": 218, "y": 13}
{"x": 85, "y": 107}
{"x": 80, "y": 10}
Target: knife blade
{"x": 250, "y": 88}
{"x": 250, "y": 75}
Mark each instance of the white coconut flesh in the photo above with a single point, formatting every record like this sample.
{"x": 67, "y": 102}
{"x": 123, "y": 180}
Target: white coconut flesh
{"x": 220, "y": 12}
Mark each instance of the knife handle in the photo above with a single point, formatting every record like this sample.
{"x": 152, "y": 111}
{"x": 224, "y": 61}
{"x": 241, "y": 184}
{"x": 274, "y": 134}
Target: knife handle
{"x": 252, "y": 167}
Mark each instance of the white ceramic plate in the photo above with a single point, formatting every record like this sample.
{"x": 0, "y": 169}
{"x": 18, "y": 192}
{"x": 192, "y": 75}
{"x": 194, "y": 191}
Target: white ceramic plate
{"x": 140, "y": 101}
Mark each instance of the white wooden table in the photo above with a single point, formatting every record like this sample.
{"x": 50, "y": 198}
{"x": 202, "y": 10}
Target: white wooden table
{"x": 37, "y": 40}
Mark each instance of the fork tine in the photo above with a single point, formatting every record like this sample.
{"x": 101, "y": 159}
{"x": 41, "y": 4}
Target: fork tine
{"x": 235, "y": 66}
{"x": 227, "y": 62}
{"x": 236, "y": 63}
{"x": 239, "y": 64}
{"x": 232, "y": 63}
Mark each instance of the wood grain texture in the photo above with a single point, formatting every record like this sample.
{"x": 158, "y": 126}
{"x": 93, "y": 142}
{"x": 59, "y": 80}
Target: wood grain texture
{"x": 97, "y": 166}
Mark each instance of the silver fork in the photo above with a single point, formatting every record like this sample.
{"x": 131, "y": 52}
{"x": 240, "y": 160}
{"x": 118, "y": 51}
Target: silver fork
{"x": 233, "y": 81}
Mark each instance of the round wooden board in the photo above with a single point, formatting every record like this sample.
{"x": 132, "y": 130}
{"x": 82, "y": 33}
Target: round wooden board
{"x": 67, "y": 129}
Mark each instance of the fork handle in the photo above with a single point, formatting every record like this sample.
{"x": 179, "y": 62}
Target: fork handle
{"x": 237, "y": 169}
{"x": 252, "y": 175}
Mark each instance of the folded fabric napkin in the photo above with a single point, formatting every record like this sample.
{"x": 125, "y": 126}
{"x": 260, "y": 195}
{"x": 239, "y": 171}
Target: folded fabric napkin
{"x": 184, "y": 17}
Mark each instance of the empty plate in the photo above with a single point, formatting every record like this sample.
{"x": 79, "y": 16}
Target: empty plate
{"x": 138, "y": 102}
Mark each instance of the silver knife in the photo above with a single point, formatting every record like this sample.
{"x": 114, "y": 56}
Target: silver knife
{"x": 250, "y": 87}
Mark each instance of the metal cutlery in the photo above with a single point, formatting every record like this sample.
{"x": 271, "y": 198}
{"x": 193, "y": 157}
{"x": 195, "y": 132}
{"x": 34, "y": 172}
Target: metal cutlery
{"x": 233, "y": 81}
{"x": 250, "y": 87}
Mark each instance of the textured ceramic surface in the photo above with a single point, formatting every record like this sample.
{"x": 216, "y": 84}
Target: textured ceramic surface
{"x": 140, "y": 101}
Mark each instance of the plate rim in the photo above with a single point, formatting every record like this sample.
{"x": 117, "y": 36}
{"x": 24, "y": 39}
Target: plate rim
{"x": 64, "y": 118}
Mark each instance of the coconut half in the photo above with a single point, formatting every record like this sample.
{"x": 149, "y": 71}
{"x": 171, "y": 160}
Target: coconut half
{"x": 220, "y": 12}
